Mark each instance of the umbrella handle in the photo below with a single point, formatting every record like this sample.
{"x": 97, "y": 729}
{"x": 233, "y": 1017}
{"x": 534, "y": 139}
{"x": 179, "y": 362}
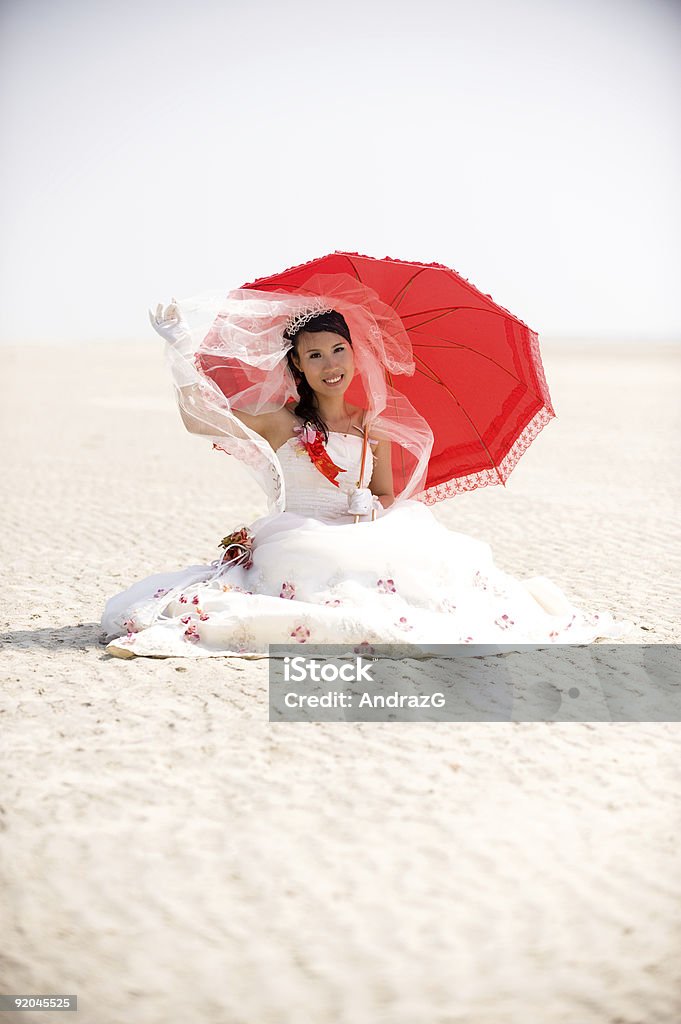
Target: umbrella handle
{"x": 361, "y": 469}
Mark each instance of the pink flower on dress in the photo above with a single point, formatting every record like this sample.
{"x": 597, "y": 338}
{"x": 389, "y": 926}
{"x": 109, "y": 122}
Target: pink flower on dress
{"x": 288, "y": 590}
{"x": 333, "y": 602}
{"x": 182, "y": 599}
{"x": 404, "y": 624}
{"x": 192, "y": 633}
{"x": 300, "y": 634}
{"x": 131, "y": 626}
{"x": 387, "y": 586}
{"x": 160, "y": 592}
{"x": 504, "y": 622}
{"x": 186, "y": 619}
{"x": 363, "y": 648}
{"x": 195, "y": 599}
{"x": 480, "y": 581}
{"x": 203, "y": 616}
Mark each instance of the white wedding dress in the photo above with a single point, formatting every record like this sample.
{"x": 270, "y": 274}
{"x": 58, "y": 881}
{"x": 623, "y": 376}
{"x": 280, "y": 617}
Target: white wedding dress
{"x": 318, "y": 577}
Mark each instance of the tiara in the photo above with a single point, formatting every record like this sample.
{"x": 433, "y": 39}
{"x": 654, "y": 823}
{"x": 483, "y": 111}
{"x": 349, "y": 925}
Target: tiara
{"x": 304, "y": 315}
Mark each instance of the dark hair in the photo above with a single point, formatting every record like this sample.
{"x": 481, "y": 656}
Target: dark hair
{"x": 307, "y": 409}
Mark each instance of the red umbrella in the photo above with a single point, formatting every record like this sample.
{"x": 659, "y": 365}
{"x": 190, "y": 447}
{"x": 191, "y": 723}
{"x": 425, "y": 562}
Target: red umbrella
{"x": 479, "y": 380}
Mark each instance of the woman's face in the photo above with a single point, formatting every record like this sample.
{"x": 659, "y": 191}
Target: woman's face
{"x": 326, "y": 359}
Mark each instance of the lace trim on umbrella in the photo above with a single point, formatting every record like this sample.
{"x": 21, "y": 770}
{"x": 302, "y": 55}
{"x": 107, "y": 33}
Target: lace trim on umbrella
{"x": 487, "y": 477}
{"x": 539, "y": 367}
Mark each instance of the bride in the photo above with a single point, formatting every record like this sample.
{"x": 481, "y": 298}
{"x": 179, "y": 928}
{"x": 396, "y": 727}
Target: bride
{"x": 340, "y": 557}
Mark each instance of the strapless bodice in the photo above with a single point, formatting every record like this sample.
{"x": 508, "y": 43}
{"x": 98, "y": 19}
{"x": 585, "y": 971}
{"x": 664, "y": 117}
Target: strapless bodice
{"x": 309, "y": 492}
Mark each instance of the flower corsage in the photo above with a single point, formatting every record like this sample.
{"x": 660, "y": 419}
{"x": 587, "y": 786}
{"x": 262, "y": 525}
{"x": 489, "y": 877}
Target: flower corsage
{"x": 311, "y": 441}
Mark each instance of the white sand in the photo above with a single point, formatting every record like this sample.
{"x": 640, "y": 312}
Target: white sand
{"x": 170, "y": 856}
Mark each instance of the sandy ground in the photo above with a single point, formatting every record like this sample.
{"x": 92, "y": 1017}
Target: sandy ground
{"x": 170, "y": 856}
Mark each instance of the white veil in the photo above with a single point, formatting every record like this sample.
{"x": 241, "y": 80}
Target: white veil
{"x": 236, "y": 359}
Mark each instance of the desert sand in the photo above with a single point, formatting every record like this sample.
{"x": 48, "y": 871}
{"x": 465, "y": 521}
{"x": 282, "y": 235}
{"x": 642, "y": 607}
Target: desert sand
{"x": 169, "y": 855}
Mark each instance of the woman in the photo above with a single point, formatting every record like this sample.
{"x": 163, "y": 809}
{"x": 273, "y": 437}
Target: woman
{"x": 322, "y": 364}
{"x": 309, "y": 571}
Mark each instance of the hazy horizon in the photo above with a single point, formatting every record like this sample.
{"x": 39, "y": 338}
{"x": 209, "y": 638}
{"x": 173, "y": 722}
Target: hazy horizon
{"x": 163, "y": 149}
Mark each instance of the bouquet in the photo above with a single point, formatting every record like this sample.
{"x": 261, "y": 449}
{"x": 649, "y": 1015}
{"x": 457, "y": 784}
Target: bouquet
{"x": 238, "y": 548}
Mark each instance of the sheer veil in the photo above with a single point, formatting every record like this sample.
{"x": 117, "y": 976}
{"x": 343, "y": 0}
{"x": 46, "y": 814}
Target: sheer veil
{"x": 235, "y": 359}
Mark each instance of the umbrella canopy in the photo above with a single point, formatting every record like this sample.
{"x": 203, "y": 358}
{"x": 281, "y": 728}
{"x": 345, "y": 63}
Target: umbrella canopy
{"x": 479, "y": 380}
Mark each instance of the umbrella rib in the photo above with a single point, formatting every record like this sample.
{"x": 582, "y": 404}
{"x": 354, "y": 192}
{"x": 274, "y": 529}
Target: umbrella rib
{"x": 438, "y": 380}
{"x": 484, "y": 355}
{"x": 440, "y": 310}
{"x": 451, "y": 309}
{"x": 476, "y": 352}
{"x": 405, "y": 287}
{"x": 357, "y": 273}
{"x": 403, "y": 290}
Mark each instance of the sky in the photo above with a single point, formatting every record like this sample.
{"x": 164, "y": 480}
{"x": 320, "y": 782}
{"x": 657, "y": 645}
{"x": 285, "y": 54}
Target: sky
{"x": 159, "y": 149}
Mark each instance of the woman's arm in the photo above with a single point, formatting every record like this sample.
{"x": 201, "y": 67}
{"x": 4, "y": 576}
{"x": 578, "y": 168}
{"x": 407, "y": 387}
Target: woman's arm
{"x": 381, "y": 483}
{"x": 206, "y": 421}
{"x": 196, "y": 415}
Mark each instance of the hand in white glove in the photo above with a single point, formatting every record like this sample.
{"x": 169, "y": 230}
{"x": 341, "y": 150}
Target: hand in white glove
{"x": 169, "y": 324}
{"x": 362, "y": 501}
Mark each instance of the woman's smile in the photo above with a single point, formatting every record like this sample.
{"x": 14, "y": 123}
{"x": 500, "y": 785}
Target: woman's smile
{"x": 316, "y": 351}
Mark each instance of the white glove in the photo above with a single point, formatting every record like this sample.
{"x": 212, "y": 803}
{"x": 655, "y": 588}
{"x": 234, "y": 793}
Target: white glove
{"x": 169, "y": 324}
{"x": 362, "y": 501}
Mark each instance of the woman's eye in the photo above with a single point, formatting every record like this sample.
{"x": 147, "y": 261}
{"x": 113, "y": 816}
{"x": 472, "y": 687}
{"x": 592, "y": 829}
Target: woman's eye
{"x": 339, "y": 348}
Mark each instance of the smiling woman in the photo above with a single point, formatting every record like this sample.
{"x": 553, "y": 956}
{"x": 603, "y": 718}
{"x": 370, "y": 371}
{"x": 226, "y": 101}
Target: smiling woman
{"x": 271, "y": 383}
{"x": 322, "y": 367}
